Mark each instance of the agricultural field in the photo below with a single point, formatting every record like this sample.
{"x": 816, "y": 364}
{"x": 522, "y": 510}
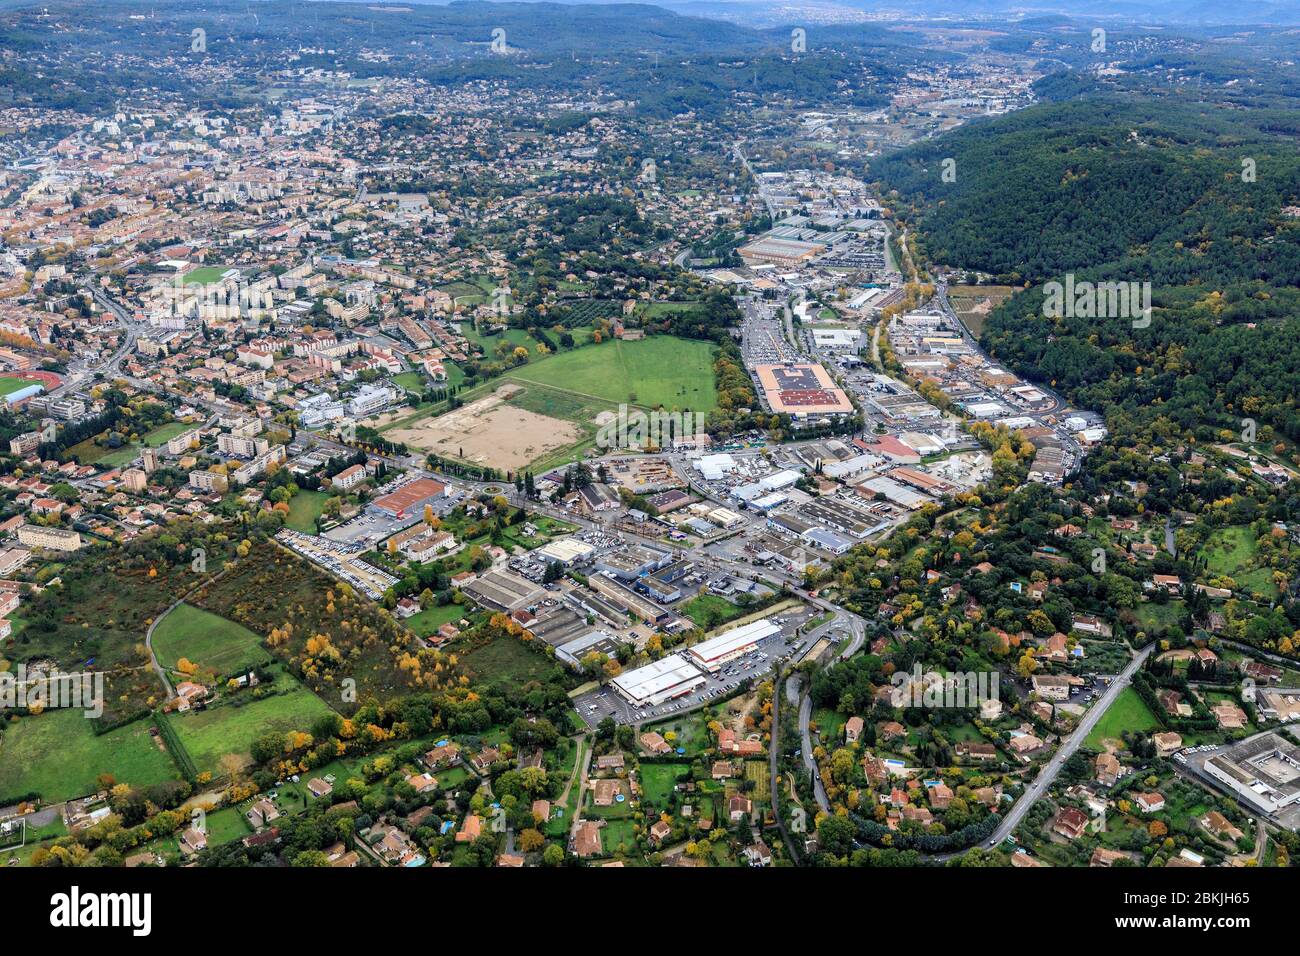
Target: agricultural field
{"x": 212, "y": 643}
{"x": 220, "y": 738}
{"x": 973, "y": 303}
{"x": 58, "y": 755}
{"x": 657, "y": 371}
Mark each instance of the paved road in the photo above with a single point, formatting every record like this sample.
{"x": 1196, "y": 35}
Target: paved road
{"x": 1049, "y": 771}
{"x": 794, "y": 689}
{"x": 774, "y": 752}
{"x": 153, "y": 658}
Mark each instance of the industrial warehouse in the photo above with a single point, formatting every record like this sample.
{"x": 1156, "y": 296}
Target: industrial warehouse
{"x": 655, "y": 683}
{"x": 678, "y": 675}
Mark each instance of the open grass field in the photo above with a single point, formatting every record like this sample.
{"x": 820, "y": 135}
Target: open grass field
{"x": 1127, "y": 713}
{"x": 1231, "y": 552}
{"x": 165, "y": 433}
{"x": 304, "y": 508}
{"x": 205, "y": 639}
{"x": 220, "y": 737}
{"x": 507, "y": 660}
{"x": 659, "y": 370}
{"x": 204, "y": 275}
{"x": 57, "y": 755}
{"x": 548, "y": 413}
{"x": 709, "y": 611}
{"x": 428, "y": 621}
{"x": 658, "y": 781}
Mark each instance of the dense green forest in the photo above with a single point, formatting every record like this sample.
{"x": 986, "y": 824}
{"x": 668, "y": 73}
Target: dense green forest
{"x": 1188, "y": 196}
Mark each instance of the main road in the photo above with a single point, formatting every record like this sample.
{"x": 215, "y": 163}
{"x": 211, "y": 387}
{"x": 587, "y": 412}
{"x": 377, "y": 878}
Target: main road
{"x": 1052, "y": 768}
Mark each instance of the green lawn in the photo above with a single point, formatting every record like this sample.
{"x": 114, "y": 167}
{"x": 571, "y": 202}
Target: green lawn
{"x": 58, "y": 755}
{"x": 210, "y": 641}
{"x": 304, "y": 508}
{"x": 1127, "y": 713}
{"x": 229, "y": 730}
{"x": 658, "y": 781}
{"x": 165, "y": 433}
{"x": 429, "y": 620}
{"x": 659, "y": 370}
{"x": 618, "y": 833}
{"x": 709, "y": 611}
{"x": 226, "y": 825}
{"x": 1231, "y": 552}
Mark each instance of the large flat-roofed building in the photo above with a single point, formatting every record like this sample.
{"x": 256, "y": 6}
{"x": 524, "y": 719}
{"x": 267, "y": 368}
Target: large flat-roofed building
{"x": 503, "y": 591}
{"x": 802, "y": 390}
{"x": 558, "y": 626}
{"x": 630, "y": 562}
{"x": 595, "y": 641}
{"x": 655, "y": 683}
{"x": 52, "y": 539}
{"x": 411, "y": 497}
{"x": 1262, "y": 771}
{"x": 779, "y": 252}
{"x": 625, "y": 599}
{"x": 717, "y": 651}
{"x": 566, "y": 551}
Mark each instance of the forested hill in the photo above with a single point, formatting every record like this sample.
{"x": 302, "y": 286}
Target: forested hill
{"x": 1138, "y": 190}
{"x": 1146, "y": 188}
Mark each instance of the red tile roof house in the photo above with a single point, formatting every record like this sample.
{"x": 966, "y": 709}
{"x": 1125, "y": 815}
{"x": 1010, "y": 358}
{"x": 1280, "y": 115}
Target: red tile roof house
{"x": 853, "y": 729}
{"x": 1150, "y": 802}
{"x": 738, "y": 808}
{"x": 1071, "y": 823}
{"x": 586, "y": 838}
{"x": 940, "y": 796}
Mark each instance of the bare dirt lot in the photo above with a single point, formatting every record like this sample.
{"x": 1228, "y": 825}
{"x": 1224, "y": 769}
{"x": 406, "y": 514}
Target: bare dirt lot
{"x": 489, "y": 432}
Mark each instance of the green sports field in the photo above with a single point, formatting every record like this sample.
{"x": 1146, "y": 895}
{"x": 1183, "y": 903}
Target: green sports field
{"x": 9, "y": 384}
{"x": 204, "y": 638}
{"x": 655, "y": 371}
{"x": 204, "y": 275}
{"x": 57, "y": 755}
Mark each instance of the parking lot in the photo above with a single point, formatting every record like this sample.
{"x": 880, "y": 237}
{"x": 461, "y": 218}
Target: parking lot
{"x": 596, "y": 705}
{"x": 373, "y": 525}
